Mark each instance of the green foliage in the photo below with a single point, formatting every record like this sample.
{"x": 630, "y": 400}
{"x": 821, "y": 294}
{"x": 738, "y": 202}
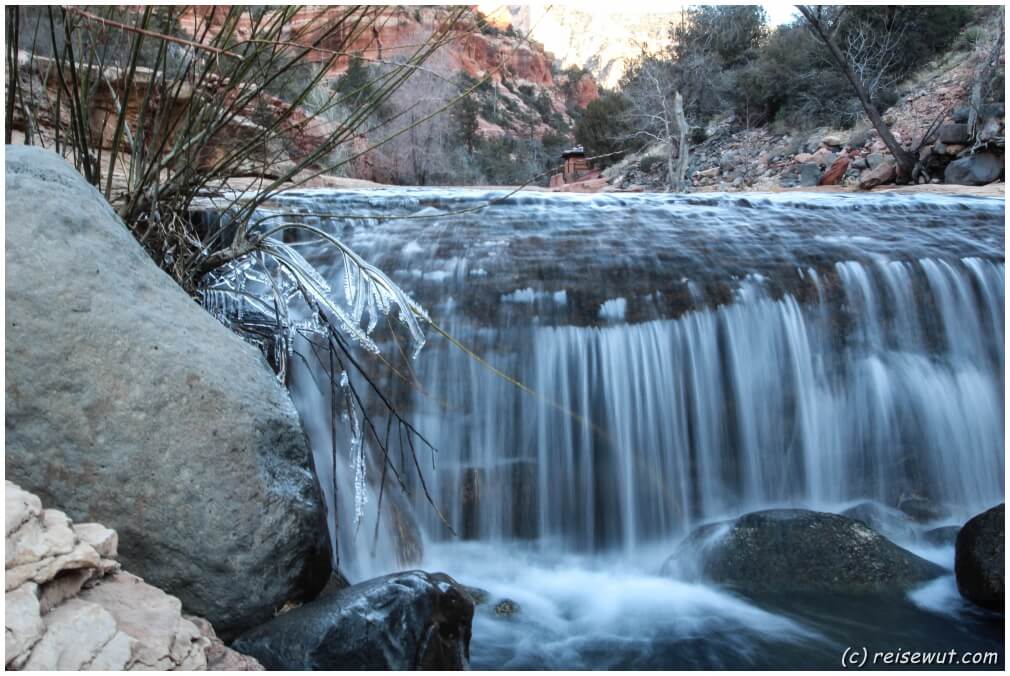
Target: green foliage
{"x": 602, "y": 129}
{"x": 727, "y": 33}
{"x": 652, "y": 163}
{"x": 572, "y": 75}
{"x": 725, "y": 58}
{"x": 356, "y": 82}
{"x": 791, "y": 81}
{"x": 921, "y": 32}
{"x": 465, "y": 116}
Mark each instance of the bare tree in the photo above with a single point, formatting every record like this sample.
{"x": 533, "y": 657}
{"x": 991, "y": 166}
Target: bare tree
{"x": 873, "y": 55}
{"x": 656, "y": 113}
{"x": 826, "y": 28}
{"x": 432, "y": 152}
{"x": 984, "y": 72}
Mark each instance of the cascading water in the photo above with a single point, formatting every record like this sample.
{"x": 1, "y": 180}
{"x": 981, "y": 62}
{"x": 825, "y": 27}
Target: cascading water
{"x": 681, "y": 359}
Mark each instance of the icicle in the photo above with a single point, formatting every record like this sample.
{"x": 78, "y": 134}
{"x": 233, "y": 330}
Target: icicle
{"x": 357, "y": 450}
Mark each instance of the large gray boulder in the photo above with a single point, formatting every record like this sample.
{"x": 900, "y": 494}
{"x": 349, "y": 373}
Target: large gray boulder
{"x": 977, "y": 169}
{"x": 797, "y": 550}
{"x": 411, "y": 620}
{"x": 127, "y": 404}
{"x": 979, "y": 559}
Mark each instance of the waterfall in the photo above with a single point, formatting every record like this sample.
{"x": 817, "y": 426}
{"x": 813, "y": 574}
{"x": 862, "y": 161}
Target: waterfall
{"x": 688, "y": 358}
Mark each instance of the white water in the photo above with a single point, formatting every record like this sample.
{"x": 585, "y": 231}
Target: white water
{"x": 692, "y": 359}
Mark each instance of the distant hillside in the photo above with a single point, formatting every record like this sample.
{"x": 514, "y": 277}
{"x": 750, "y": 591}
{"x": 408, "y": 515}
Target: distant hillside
{"x": 509, "y": 130}
{"x": 600, "y": 41}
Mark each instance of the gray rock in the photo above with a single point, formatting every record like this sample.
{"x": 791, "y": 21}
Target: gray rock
{"x": 960, "y": 115}
{"x": 810, "y": 174}
{"x": 874, "y": 160}
{"x": 991, "y": 109}
{"x": 129, "y": 405}
{"x": 979, "y": 559}
{"x": 881, "y": 174}
{"x": 977, "y": 169}
{"x": 955, "y": 132}
{"x": 401, "y": 621}
{"x": 796, "y": 550}
{"x": 860, "y": 138}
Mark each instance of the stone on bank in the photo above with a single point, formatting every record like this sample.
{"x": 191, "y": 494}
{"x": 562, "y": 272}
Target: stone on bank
{"x": 127, "y": 404}
{"x": 69, "y": 606}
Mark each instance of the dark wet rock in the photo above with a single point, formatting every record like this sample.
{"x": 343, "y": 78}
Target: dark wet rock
{"x": 955, "y": 132}
{"x": 979, "y": 559}
{"x": 944, "y": 536}
{"x": 479, "y": 596}
{"x": 923, "y": 510}
{"x": 977, "y": 169}
{"x": 506, "y": 608}
{"x": 336, "y": 582}
{"x": 889, "y": 522}
{"x": 796, "y": 550}
{"x": 410, "y": 620}
{"x": 129, "y": 405}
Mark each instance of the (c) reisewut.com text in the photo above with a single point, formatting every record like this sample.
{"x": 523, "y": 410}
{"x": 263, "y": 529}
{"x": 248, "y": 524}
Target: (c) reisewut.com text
{"x": 860, "y": 657}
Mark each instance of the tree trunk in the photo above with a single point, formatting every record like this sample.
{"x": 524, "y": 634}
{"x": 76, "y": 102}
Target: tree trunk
{"x": 905, "y": 160}
{"x": 982, "y": 75}
{"x": 681, "y": 123}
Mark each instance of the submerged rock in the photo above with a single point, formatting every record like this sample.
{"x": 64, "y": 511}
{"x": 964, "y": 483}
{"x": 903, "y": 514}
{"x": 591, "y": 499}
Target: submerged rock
{"x": 923, "y": 510}
{"x": 506, "y": 608}
{"x": 944, "y": 536}
{"x": 129, "y": 405}
{"x": 411, "y": 620}
{"x": 796, "y": 550}
{"x": 979, "y": 559}
{"x": 889, "y": 522}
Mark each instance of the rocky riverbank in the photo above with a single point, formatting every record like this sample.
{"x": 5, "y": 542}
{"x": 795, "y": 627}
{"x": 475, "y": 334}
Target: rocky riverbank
{"x": 930, "y": 119}
{"x": 69, "y": 605}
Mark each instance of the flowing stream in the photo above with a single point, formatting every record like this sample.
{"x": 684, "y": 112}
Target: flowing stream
{"x": 682, "y": 359}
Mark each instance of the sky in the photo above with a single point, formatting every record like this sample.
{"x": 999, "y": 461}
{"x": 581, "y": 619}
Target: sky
{"x": 778, "y": 12}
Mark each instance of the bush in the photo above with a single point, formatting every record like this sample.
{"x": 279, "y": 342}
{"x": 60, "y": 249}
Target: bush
{"x": 602, "y": 129}
{"x": 651, "y": 163}
{"x": 728, "y": 34}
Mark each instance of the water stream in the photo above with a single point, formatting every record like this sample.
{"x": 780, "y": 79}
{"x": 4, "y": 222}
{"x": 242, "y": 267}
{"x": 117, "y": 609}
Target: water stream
{"x": 687, "y": 358}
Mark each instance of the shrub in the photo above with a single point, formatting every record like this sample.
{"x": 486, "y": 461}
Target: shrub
{"x": 652, "y": 163}
{"x": 602, "y": 129}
